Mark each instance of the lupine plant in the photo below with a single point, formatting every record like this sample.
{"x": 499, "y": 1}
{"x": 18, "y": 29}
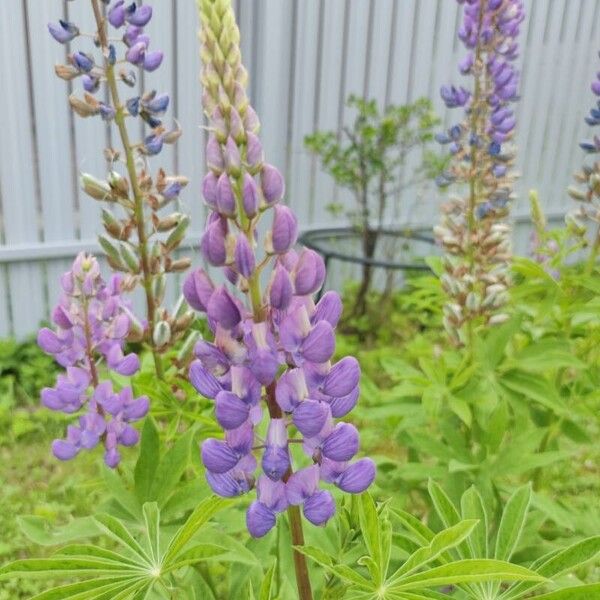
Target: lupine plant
{"x": 139, "y": 240}
{"x": 589, "y": 176}
{"x": 277, "y": 340}
{"x": 473, "y": 234}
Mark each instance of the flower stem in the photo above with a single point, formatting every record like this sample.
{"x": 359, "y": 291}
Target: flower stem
{"x": 138, "y": 195}
{"x": 295, "y": 520}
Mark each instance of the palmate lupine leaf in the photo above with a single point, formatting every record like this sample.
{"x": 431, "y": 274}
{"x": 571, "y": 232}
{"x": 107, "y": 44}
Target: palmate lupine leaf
{"x": 414, "y": 578}
{"x": 132, "y": 570}
{"x": 512, "y": 523}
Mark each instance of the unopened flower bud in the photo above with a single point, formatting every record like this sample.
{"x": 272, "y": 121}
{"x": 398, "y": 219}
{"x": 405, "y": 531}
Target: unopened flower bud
{"x": 244, "y": 259}
{"x": 130, "y": 257}
{"x": 285, "y": 229}
{"x": 161, "y": 335}
{"x": 281, "y": 290}
{"x": 212, "y": 244}
{"x": 225, "y": 197}
{"x": 209, "y": 189}
{"x": 272, "y": 184}
{"x": 254, "y": 152}
{"x": 233, "y": 161}
{"x": 250, "y": 199}
{"x": 159, "y": 285}
{"x": 214, "y": 155}
{"x": 309, "y": 273}
{"x": 96, "y": 188}
{"x": 177, "y": 235}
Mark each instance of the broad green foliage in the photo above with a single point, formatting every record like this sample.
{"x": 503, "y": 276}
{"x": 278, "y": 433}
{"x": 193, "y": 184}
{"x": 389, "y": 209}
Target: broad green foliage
{"x": 378, "y": 573}
{"x": 141, "y": 566}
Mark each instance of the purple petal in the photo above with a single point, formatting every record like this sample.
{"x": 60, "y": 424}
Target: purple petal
{"x": 64, "y": 450}
{"x": 342, "y": 444}
{"x": 343, "y": 378}
{"x": 358, "y": 476}
{"x": 223, "y": 309}
{"x": 48, "y": 341}
{"x": 302, "y": 484}
{"x": 329, "y": 308}
{"x": 259, "y": 519}
{"x": 206, "y": 383}
{"x": 230, "y": 411}
{"x": 217, "y": 456}
{"x": 310, "y": 416}
{"x": 319, "y": 345}
{"x": 319, "y": 508}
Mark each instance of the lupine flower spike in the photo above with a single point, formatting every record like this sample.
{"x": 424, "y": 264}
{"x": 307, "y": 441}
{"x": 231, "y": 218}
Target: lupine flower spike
{"x": 275, "y": 344}
{"x": 139, "y": 239}
{"x": 92, "y": 322}
{"x": 472, "y": 233}
{"x": 589, "y": 177}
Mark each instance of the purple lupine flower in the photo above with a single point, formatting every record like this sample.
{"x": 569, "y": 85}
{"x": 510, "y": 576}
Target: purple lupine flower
{"x": 63, "y": 32}
{"x": 274, "y": 344}
{"x": 481, "y": 154}
{"x": 92, "y": 321}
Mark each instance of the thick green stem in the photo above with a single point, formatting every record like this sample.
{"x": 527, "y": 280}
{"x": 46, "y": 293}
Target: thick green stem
{"x": 138, "y": 195}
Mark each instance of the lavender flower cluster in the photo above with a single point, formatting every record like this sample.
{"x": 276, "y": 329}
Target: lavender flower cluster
{"x": 476, "y": 242}
{"x": 279, "y": 341}
{"x": 589, "y": 175}
{"x": 92, "y": 322}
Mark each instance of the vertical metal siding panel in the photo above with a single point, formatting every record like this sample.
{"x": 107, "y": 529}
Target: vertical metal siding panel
{"x": 564, "y": 155}
{"x": 562, "y": 74}
{"x": 53, "y": 126}
{"x": 539, "y": 97}
{"x": 306, "y": 58}
{"x": 17, "y": 172}
{"x": 332, "y": 62}
{"x": 160, "y": 30}
{"x": 272, "y": 80}
{"x": 189, "y": 100}
{"x": 90, "y": 133}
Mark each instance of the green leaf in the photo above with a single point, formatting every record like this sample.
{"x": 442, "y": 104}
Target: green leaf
{"x": 342, "y": 571}
{"x": 467, "y": 571}
{"x": 546, "y": 355}
{"x": 65, "y": 592}
{"x": 194, "y": 555}
{"x": 421, "y": 532}
{"x": 267, "y": 587}
{"x": 581, "y": 592}
{"x": 534, "y": 387}
{"x": 90, "y": 550}
{"x": 117, "y": 531}
{"x": 369, "y": 525}
{"x": 443, "y": 505}
{"x": 37, "y": 530}
{"x": 152, "y": 522}
{"x": 63, "y": 567}
{"x": 496, "y": 341}
{"x": 205, "y": 510}
{"x": 473, "y": 507}
{"x": 171, "y": 468}
{"x": 446, "y": 539}
{"x": 557, "y": 562}
{"x": 145, "y": 467}
{"x": 512, "y": 522}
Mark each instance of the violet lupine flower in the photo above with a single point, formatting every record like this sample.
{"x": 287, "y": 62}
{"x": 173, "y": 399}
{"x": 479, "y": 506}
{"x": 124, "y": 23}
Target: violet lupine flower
{"x": 275, "y": 340}
{"x": 476, "y": 243}
{"x": 133, "y": 17}
{"x": 92, "y": 322}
